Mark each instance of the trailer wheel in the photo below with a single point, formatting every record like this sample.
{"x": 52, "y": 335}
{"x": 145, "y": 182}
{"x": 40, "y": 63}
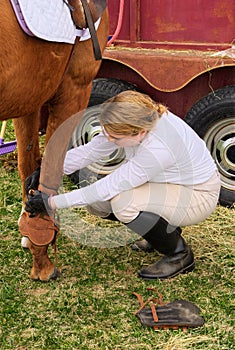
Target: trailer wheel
{"x": 103, "y": 89}
{"x": 213, "y": 118}
{"x": 89, "y": 127}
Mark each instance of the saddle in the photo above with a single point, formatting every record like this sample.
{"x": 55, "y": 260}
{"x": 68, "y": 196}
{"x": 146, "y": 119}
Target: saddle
{"x": 82, "y": 9}
{"x": 61, "y": 20}
{"x": 84, "y": 16}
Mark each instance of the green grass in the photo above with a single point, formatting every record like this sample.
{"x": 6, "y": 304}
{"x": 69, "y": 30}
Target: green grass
{"x": 91, "y": 306}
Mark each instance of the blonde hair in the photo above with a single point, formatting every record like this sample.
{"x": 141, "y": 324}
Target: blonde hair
{"x": 130, "y": 112}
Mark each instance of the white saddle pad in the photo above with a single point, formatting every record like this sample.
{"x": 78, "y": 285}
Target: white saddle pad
{"x": 50, "y": 20}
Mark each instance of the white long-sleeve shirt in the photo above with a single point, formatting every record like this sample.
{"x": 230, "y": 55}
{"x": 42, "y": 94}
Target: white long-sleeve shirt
{"x": 171, "y": 153}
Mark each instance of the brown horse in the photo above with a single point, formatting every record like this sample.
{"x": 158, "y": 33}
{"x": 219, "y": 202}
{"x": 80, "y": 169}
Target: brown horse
{"x": 36, "y": 73}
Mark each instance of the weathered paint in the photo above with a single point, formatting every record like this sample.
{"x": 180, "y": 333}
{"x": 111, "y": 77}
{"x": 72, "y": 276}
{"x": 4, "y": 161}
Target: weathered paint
{"x": 167, "y": 70}
{"x": 194, "y": 24}
{"x": 167, "y": 48}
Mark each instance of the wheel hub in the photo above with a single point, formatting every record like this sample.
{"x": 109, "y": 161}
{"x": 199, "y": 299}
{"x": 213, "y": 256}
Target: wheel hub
{"x": 220, "y": 140}
{"x": 88, "y": 128}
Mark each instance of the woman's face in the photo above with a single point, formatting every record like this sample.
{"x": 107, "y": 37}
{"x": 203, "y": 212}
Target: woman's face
{"x": 126, "y": 140}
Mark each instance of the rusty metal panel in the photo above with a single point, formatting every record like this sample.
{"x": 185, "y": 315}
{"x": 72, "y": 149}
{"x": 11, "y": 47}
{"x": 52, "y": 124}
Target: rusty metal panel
{"x": 198, "y": 21}
{"x": 167, "y": 70}
{"x": 113, "y": 6}
{"x": 166, "y": 23}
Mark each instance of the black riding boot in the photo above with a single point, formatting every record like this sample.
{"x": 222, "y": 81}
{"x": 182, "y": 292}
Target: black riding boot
{"x": 110, "y": 217}
{"x": 166, "y": 239}
{"x": 143, "y": 246}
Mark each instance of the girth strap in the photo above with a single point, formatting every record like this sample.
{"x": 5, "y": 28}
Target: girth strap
{"x": 90, "y": 23}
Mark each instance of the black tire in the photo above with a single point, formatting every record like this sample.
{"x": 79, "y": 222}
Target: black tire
{"x": 213, "y": 118}
{"x": 89, "y": 127}
{"x": 103, "y": 89}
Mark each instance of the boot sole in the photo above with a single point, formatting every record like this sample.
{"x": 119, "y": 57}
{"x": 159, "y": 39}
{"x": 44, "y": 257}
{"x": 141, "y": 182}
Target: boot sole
{"x": 185, "y": 270}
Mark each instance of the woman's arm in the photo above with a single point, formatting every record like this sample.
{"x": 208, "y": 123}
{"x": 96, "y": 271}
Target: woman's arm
{"x": 138, "y": 170}
{"x": 80, "y": 157}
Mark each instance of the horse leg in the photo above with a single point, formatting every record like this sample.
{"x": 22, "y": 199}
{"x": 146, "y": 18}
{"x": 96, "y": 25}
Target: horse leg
{"x": 63, "y": 118}
{"x": 43, "y": 269}
{"x": 29, "y": 158}
{"x": 26, "y": 129}
{"x": 71, "y": 97}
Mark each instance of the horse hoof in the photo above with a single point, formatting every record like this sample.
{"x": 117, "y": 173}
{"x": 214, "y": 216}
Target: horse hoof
{"x": 34, "y": 274}
{"x": 46, "y": 278}
{"x": 56, "y": 273}
{"x": 34, "y": 277}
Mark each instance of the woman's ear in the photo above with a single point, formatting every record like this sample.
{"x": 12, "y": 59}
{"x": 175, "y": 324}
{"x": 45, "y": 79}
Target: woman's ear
{"x": 143, "y": 132}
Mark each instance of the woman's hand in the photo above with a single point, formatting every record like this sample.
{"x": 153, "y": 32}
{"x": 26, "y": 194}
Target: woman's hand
{"x": 32, "y": 181}
{"x": 38, "y": 202}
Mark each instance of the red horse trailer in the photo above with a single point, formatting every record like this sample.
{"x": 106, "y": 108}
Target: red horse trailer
{"x": 181, "y": 53}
